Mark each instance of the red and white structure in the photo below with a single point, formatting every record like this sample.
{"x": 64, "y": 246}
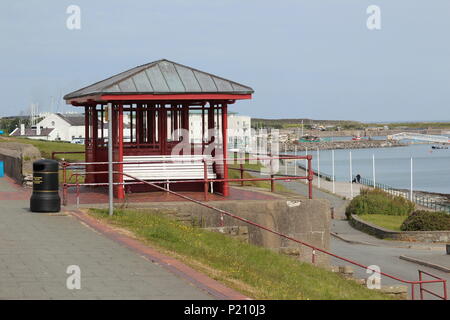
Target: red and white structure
{"x": 157, "y": 98}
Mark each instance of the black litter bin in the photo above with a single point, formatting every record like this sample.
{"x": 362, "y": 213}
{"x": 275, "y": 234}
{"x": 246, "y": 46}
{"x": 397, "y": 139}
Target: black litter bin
{"x": 45, "y": 197}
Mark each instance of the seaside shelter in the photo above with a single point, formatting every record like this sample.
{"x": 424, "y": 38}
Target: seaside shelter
{"x": 153, "y": 102}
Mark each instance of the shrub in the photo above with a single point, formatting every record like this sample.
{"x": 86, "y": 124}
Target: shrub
{"x": 376, "y": 201}
{"x": 422, "y": 220}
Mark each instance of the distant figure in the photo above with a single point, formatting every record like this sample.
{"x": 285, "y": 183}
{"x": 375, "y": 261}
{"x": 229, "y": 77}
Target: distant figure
{"x": 358, "y": 178}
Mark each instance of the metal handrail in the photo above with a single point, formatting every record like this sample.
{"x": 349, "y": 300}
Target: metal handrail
{"x": 314, "y": 249}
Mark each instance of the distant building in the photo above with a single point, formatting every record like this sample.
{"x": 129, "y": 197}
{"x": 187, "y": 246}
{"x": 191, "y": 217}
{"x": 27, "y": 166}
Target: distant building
{"x": 54, "y": 127}
{"x": 70, "y": 127}
{"x": 33, "y": 133}
{"x": 67, "y": 127}
{"x": 239, "y": 130}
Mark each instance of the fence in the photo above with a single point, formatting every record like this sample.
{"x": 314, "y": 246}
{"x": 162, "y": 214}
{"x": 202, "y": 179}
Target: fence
{"x": 314, "y": 250}
{"x": 422, "y": 200}
{"x": 79, "y": 169}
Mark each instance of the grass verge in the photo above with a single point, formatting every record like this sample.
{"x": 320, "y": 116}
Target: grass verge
{"x": 235, "y": 174}
{"x": 257, "y": 272}
{"x": 47, "y": 147}
{"x": 384, "y": 220}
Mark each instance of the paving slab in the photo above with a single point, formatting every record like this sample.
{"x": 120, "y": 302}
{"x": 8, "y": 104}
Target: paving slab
{"x": 37, "y": 248}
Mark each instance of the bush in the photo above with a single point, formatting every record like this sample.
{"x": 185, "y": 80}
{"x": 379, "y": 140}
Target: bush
{"x": 376, "y": 201}
{"x": 422, "y": 220}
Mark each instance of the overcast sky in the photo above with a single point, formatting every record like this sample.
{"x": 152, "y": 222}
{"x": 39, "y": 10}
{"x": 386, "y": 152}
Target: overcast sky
{"x": 313, "y": 59}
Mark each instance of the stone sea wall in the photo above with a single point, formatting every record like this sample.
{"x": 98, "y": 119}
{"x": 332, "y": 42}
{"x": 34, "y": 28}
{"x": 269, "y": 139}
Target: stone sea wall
{"x": 329, "y": 145}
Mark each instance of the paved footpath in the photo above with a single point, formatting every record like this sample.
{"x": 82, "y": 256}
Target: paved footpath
{"x": 37, "y": 248}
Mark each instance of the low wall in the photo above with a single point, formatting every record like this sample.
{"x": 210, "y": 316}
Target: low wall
{"x": 12, "y": 163}
{"x": 303, "y": 219}
{"x": 413, "y": 236}
{"x": 18, "y": 159}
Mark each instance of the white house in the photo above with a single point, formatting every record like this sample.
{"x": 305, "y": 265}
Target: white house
{"x": 36, "y": 133}
{"x": 67, "y": 127}
{"x": 70, "y": 127}
{"x": 239, "y": 130}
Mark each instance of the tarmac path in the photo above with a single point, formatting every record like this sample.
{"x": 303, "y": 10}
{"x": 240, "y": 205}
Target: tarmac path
{"x": 36, "y": 250}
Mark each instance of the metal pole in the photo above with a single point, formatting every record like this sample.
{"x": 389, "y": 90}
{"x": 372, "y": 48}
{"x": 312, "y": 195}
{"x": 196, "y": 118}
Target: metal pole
{"x": 373, "y": 169}
{"x": 411, "y": 190}
{"x": 285, "y": 160}
{"x": 110, "y": 159}
{"x": 332, "y": 163}
{"x": 306, "y": 154}
{"x": 351, "y": 176}
{"x": 318, "y": 168}
{"x": 295, "y": 166}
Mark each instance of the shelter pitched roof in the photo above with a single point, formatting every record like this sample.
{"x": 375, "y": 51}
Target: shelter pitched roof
{"x": 162, "y": 77}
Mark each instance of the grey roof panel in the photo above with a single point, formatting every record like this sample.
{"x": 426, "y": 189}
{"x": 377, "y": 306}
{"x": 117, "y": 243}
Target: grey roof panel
{"x": 127, "y": 85}
{"x": 157, "y": 79}
{"x": 188, "y": 78}
{"x": 162, "y": 77}
{"x": 171, "y": 76}
{"x": 223, "y": 85}
{"x": 142, "y": 83}
{"x": 114, "y": 88}
{"x": 206, "y": 82}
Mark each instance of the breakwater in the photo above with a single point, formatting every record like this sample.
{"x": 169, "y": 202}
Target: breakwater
{"x": 334, "y": 145}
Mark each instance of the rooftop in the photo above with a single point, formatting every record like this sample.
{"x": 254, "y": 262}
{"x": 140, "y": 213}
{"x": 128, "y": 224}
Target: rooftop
{"x": 162, "y": 77}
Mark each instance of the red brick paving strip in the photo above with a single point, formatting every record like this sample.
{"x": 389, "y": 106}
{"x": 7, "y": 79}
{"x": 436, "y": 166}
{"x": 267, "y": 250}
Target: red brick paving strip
{"x": 216, "y": 289}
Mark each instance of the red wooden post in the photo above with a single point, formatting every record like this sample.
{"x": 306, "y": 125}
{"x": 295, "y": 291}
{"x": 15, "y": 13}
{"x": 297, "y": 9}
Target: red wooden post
{"x": 225, "y": 148}
{"x": 121, "y": 191}
{"x": 203, "y": 129}
{"x": 94, "y": 140}
{"x": 241, "y": 168}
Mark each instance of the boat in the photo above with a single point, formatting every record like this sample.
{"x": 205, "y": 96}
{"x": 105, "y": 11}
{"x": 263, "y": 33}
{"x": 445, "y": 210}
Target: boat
{"x": 308, "y": 138}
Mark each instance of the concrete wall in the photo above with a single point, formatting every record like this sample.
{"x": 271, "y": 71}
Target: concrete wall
{"x": 12, "y": 164}
{"x": 379, "y": 232}
{"x": 305, "y": 220}
{"x": 18, "y": 159}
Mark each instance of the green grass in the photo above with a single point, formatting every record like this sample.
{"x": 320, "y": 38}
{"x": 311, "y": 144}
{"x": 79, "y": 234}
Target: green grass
{"x": 384, "y": 220}
{"x": 235, "y": 174}
{"x": 255, "y": 271}
{"x": 47, "y": 147}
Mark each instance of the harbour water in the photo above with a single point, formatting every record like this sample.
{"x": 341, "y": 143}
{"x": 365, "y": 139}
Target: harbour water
{"x": 431, "y": 167}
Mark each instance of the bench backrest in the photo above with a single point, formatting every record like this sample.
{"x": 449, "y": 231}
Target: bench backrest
{"x": 168, "y": 167}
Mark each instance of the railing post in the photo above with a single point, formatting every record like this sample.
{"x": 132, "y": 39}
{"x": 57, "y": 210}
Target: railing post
{"x": 412, "y": 291}
{"x": 310, "y": 177}
{"x": 445, "y": 289}
{"x": 272, "y": 183}
{"x": 420, "y": 285}
{"x": 241, "y": 168}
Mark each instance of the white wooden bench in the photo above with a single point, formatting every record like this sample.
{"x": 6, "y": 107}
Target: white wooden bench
{"x": 165, "y": 168}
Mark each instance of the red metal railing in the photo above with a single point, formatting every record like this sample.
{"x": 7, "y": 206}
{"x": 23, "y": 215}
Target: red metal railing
{"x": 222, "y": 212}
{"x": 205, "y": 180}
{"x": 422, "y": 289}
